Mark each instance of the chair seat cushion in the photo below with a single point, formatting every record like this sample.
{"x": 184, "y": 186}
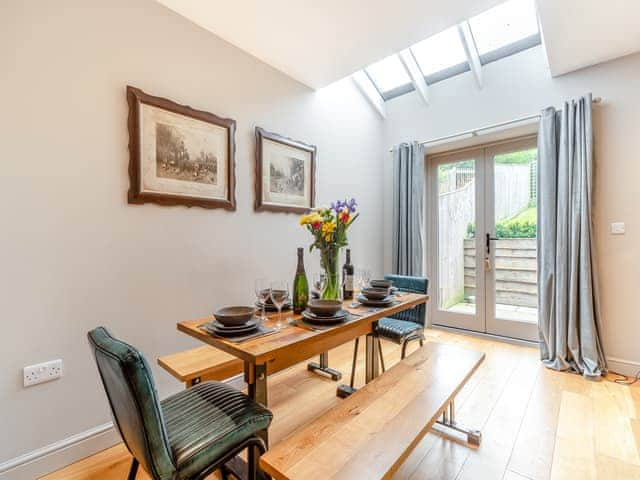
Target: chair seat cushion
{"x": 397, "y": 330}
{"x": 205, "y": 421}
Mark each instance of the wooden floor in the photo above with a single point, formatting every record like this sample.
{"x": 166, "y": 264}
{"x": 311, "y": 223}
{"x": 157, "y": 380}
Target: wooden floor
{"x": 536, "y": 423}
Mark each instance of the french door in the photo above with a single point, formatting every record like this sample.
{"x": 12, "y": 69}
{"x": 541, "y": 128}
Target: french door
{"x": 483, "y": 227}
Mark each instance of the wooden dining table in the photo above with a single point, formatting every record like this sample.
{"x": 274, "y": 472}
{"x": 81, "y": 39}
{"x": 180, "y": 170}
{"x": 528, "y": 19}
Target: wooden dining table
{"x": 296, "y": 342}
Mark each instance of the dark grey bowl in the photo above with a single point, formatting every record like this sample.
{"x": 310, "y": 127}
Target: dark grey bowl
{"x": 375, "y": 293}
{"x": 324, "y": 307}
{"x": 381, "y": 283}
{"x": 230, "y": 316}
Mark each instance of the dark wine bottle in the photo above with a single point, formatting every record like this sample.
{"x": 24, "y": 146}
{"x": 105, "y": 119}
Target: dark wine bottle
{"x": 300, "y": 285}
{"x": 347, "y": 274}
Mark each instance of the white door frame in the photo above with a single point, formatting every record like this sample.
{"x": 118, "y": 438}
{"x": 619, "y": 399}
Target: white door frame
{"x": 484, "y": 321}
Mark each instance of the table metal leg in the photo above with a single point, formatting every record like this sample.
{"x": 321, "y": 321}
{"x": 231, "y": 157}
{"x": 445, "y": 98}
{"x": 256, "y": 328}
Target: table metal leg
{"x": 257, "y": 390}
{"x": 323, "y": 368}
{"x": 450, "y": 428}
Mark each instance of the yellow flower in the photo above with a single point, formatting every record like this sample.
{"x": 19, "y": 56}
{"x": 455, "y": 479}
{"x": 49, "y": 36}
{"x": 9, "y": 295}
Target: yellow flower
{"x": 327, "y": 230}
{"x": 304, "y": 220}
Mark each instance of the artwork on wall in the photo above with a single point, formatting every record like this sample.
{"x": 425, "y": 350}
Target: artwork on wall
{"x": 178, "y": 155}
{"x": 285, "y": 174}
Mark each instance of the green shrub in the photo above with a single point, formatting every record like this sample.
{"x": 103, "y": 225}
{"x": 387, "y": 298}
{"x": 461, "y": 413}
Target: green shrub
{"x": 509, "y": 229}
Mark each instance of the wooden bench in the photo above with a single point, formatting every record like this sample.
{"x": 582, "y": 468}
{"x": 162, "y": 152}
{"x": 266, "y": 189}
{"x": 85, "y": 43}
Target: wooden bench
{"x": 372, "y": 432}
{"x": 201, "y": 364}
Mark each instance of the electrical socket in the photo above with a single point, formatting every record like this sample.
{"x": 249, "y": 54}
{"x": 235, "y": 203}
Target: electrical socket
{"x": 42, "y": 372}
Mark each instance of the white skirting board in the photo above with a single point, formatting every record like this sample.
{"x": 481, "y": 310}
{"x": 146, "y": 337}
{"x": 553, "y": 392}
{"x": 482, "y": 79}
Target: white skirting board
{"x": 623, "y": 366}
{"x": 52, "y": 457}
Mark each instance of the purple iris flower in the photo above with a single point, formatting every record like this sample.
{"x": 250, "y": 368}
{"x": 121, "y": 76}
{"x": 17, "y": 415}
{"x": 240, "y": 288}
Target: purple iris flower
{"x": 339, "y": 205}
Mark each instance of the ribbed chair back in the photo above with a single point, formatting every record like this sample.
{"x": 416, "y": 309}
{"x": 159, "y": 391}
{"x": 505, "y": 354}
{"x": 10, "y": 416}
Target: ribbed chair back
{"x": 134, "y": 402}
{"x": 409, "y": 284}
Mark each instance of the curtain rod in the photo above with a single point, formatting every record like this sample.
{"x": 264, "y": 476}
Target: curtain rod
{"x": 475, "y": 131}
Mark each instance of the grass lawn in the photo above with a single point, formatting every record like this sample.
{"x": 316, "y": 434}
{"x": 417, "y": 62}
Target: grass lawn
{"x": 527, "y": 215}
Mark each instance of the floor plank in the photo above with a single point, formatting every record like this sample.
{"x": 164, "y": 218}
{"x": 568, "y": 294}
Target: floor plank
{"x": 574, "y": 452}
{"x": 537, "y": 424}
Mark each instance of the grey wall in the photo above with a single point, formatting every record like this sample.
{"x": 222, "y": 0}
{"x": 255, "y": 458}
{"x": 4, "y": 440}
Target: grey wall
{"x": 75, "y": 255}
{"x": 521, "y": 85}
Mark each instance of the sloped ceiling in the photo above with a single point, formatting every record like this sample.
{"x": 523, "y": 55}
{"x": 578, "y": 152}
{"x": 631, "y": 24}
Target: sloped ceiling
{"x": 580, "y": 33}
{"x": 320, "y": 41}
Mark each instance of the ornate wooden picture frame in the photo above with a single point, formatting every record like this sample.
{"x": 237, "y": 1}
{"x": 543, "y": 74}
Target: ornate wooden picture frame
{"x": 285, "y": 174}
{"x": 179, "y": 155}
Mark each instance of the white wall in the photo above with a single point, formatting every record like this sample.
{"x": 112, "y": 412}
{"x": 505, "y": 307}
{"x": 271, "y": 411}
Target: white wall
{"x": 521, "y": 85}
{"x": 75, "y": 255}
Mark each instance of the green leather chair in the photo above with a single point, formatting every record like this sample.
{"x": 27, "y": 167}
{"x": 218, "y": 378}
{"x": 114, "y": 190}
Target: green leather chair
{"x": 188, "y": 435}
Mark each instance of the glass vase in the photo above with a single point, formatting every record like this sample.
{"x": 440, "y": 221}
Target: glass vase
{"x": 330, "y": 259}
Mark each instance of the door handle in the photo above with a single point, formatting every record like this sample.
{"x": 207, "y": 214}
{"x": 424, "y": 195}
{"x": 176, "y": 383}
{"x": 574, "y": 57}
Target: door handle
{"x": 489, "y": 240}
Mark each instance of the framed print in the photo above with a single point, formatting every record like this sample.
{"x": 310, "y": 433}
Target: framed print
{"x": 178, "y": 155}
{"x": 285, "y": 174}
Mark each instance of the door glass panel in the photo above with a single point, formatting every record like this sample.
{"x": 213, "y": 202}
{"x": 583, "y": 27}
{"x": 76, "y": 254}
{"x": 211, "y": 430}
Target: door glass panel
{"x": 456, "y": 234}
{"x": 514, "y": 253}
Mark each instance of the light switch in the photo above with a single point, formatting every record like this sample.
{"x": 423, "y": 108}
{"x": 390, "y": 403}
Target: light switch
{"x": 617, "y": 228}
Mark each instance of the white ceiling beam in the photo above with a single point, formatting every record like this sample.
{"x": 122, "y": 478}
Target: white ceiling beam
{"x": 410, "y": 64}
{"x": 369, "y": 91}
{"x": 469, "y": 44}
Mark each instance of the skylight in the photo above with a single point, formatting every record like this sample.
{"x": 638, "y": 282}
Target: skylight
{"x": 441, "y": 52}
{"x": 508, "y": 28}
{"x": 388, "y": 74}
{"x": 506, "y": 24}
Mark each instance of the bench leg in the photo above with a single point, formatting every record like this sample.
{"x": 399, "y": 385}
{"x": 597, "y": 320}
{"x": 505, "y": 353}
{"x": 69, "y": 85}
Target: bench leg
{"x": 448, "y": 426}
{"x": 343, "y": 391}
{"x": 323, "y": 368}
{"x": 371, "y": 357}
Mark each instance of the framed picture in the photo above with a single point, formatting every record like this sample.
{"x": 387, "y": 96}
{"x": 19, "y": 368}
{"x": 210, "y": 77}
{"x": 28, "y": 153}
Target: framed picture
{"x": 178, "y": 155}
{"x": 285, "y": 174}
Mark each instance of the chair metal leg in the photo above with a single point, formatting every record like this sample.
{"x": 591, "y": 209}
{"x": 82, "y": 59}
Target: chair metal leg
{"x": 404, "y": 349}
{"x": 133, "y": 471}
{"x": 253, "y": 460}
{"x": 224, "y": 473}
{"x": 381, "y": 355}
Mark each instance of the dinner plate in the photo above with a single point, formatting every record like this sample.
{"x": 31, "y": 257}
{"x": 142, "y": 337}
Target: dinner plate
{"x": 375, "y": 303}
{"x": 235, "y": 328}
{"x": 340, "y": 316}
{"x": 230, "y": 333}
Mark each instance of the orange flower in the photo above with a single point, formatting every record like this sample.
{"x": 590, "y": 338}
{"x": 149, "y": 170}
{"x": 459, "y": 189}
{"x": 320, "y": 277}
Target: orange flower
{"x": 344, "y": 215}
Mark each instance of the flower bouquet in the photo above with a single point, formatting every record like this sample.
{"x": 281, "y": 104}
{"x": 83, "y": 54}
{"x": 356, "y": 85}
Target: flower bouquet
{"x": 329, "y": 229}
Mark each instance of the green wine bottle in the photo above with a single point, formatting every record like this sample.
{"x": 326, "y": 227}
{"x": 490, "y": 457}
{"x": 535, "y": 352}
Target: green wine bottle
{"x": 300, "y": 285}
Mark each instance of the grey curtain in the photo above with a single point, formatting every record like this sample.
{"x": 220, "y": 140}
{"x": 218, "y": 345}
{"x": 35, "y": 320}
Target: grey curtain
{"x": 568, "y": 294}
{"x": 408, "y": 209}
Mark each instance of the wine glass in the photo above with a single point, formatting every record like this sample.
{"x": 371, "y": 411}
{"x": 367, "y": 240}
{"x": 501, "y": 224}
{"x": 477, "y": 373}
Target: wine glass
{"x": 279, "y": 292}
{"x": 319, "y": 282}
{"x": 362, "y": 279}
{"x": 262, "y": 293}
